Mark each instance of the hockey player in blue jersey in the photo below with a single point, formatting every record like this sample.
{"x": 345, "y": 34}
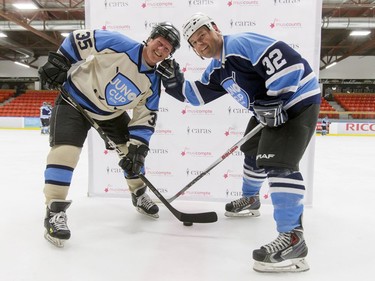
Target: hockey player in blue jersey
{"x": 116, "y": 74}
{"x": 279, "y": 87}
{"x": 45, "y": 115}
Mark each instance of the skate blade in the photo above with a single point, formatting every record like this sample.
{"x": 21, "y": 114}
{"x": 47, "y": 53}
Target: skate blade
{"x": 292, "y": 265}
{"x": 54, "y": 241}
{"x": 154, "y": 216}
{"x": 244, "y": 213}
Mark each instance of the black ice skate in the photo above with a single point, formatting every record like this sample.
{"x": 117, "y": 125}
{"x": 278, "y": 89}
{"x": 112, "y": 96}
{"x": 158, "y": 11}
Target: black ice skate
{"x": 245, "y": 206}
{"x": 144, "y": 204}
{"x": 57, "y": 231}
{"x": 285, "y": 254}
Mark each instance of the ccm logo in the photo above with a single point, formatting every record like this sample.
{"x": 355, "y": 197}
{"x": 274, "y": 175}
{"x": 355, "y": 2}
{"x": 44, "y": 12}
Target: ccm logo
{"x": 265, "y": 156}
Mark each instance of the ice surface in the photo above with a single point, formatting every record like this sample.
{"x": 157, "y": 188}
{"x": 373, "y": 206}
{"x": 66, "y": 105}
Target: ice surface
{"x": 111, "y": 241}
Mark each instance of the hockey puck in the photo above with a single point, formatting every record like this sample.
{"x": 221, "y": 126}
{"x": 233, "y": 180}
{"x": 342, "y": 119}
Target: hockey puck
{"x": 186, "y": 223}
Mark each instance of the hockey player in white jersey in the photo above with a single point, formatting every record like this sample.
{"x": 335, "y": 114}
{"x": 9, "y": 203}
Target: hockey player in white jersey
{"x": 116, "y": 74}
{"x": 45, "y": 116}
{"x": 279, "y": 87}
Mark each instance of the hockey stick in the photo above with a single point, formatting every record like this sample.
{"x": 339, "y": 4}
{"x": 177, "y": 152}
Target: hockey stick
{"x": 184, "y": 217}
{"x": 248, "y": 136}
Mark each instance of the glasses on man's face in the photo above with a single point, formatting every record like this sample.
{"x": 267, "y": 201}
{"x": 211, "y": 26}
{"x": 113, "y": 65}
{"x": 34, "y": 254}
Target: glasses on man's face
{"x": 163, "y": 47}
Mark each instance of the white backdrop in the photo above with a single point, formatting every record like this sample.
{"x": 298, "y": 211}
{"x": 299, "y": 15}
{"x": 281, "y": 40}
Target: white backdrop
{"x": 188, "y": 139}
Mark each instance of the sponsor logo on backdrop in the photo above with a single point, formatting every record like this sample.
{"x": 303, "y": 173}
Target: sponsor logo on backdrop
{"x": 164, "y": 132}
{"x": 233, "y": 193}
{"x": 193, "y": 153}
{"x": 157, "y": 4}
{"x": 114, "y": 170}
{"x": 286, "y": 2}
{"x": 163, "y": 109}
{"x": 116, "y": 27}
{"x": 201, "y": 131}
{"x": 150, "y": 24}
{"x": 233, "y": 132}
{"x": 197, "y": 193}
{"x": 192, "y": 68}
{"x": 194, "y": 173}
{"x": 238, "y": 110}
{"x": 295, "y": 46}
{"x": 152, "y": 172}
{"x": 243, "y": 3}
{"x": 159, "y": 151}
{"x": 201, "y": 2}
{"x": 237, "y": 23}
{"x": 111, "y": 189}
{"x": 196, "y": 111}
{"x": 238, "y": 193}
{"x": 231, "y": 174}
{"x": 115, "y": 4}
{"x": 277, "y": 23}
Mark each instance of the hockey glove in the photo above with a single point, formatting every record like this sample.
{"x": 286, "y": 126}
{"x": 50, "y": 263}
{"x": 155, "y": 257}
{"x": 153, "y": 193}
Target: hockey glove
{"x": 133, "y": 162}
{"x": 270, "y": 113}
{"x": 171, "y": 75}
{"x": 55, "y": 71}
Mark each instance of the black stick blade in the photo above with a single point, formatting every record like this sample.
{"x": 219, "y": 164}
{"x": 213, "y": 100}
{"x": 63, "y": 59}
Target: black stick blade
{"x": 208, "y": 217}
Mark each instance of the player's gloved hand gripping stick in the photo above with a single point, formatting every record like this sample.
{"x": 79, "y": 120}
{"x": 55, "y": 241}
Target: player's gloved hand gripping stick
{"x": 207, "y": 217}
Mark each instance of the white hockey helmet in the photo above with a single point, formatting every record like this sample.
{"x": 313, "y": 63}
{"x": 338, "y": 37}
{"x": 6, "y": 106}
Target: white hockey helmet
{"x": 194, "y": 23}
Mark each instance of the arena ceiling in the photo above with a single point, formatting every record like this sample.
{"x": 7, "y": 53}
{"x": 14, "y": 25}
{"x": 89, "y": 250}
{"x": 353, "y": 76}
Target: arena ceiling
{"x": 33, "y": 33}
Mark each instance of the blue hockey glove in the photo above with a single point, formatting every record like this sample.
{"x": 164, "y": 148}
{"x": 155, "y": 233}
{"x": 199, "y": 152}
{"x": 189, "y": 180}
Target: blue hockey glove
{"x": 133, "y": 162}
{"x": 270, "y": 113}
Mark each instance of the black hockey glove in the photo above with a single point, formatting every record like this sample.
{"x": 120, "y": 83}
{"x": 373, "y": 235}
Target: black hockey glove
{"x": 171, "y": 75}
{"x": 270, "y": 113}
{"x": 133, "y": 162}
{"x": 55, "y": 71}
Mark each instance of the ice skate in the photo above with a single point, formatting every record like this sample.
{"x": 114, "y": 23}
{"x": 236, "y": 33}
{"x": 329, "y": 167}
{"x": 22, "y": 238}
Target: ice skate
{"x": 285, "y": 254}
{"x": 57, "y": 231}
{"x": 243, "y": 207}
{"x": 144, "y": 204}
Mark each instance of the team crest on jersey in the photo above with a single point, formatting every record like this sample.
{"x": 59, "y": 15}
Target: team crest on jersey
{"x": 236, "y": 92}
{"x": 121, "y": 91}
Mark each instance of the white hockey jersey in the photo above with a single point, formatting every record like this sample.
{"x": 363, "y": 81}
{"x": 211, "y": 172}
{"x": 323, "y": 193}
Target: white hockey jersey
{"x": 113, "y": 78}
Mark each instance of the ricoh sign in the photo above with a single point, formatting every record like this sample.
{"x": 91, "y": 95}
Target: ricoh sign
{"x": 349, "y": 128}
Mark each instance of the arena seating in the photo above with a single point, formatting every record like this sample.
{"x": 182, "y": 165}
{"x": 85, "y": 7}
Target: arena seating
{"x": 325, "y": 107}
{"x": 6, "y": 94}
{"x": 28, "y": 104}
{"x": 358, "y": 105}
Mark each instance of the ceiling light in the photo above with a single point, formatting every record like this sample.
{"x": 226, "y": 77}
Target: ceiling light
{"x": 25, "y": 6}
{"x": 330, "y": 65}
{"x": 3, "y": 34}
{"x": 65, "y": 34}
{"x": 22, "y": 64}
{"x": 360, "y": 32}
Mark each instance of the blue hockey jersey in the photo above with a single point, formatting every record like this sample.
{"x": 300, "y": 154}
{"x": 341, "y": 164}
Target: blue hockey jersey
{"x": 254, "y": 67}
